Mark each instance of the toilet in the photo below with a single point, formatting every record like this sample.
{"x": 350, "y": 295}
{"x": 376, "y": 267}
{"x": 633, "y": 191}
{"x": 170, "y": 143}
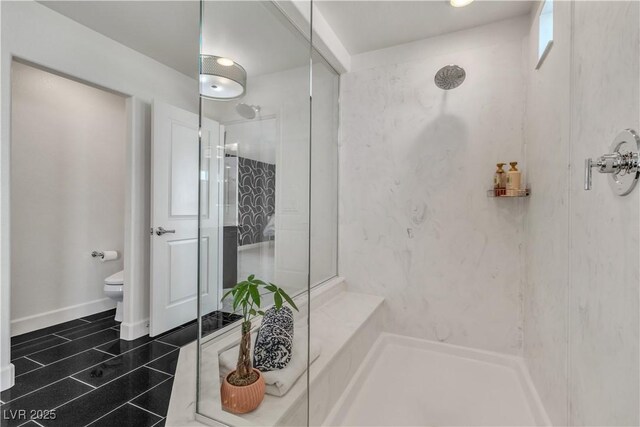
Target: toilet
{"x": 113, "y": 286}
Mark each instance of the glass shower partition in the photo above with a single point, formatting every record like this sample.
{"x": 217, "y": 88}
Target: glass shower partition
{"x": 255, "y": 162}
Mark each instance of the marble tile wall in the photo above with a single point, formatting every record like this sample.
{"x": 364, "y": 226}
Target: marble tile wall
{"x": 547, "y": 217}
{"x": 582, "y": 274}
{"x": 604, "y": 228}
{"x": 416, "y": 226}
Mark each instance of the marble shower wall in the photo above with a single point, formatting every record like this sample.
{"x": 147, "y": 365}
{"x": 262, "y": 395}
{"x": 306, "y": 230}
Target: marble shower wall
{"x": 547, "y": 217}
{"x": 581, "y": 296}
{"x": 604, "y": 228}
{"x": 416, "y": 226}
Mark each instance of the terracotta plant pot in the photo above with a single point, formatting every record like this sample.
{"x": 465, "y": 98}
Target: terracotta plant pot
{"x": 242, "y": 399}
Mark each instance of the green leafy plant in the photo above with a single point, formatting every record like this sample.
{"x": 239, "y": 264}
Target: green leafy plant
{"x": 247, "y": 297}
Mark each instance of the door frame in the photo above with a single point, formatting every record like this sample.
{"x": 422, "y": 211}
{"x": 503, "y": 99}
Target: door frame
{"x": 136, "y": 222}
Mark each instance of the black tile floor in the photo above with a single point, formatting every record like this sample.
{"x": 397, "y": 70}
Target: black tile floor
{"x": 80, "y": 373}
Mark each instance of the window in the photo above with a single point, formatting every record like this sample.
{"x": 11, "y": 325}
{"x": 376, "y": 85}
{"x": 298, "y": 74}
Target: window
{"x": 545, "y": 31}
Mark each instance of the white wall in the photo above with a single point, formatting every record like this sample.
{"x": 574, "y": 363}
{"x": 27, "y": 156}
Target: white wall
{"x": 547, "y": 217}
{"x": 416, "y": 226}
{"x": 67, "y": 196}
{"x": 583, "y": 272}
{"x": 37, "y": 34}
{"x": 604, "y": 228}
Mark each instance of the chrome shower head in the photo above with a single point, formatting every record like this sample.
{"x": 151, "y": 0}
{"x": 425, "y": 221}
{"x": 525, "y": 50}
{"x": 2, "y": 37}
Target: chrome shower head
{"x": 248, "y": 111}
{"x": 449, "y": 77}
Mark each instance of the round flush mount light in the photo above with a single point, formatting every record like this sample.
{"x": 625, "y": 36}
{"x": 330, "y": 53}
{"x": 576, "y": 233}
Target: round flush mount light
{"x": 221, "y": 78}
{"x": 225, "y": 62}
{"x": 460, "y": 3}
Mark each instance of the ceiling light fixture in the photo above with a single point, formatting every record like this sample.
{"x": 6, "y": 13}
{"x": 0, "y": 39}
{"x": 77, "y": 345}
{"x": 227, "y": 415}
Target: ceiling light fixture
{"x": 221, "y": 78}
{"x": 460, "y": 3}
{"x": 225, "y": 61}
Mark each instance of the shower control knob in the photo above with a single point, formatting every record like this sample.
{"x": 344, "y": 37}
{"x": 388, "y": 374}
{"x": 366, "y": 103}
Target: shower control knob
{"x": 622, "y": 164}
{"x": 588, "y": 164}
{"x": 161, "y": 231}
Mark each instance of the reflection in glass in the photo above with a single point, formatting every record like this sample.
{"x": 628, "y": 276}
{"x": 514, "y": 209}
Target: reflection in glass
{"x": 262, "y": 194}
{"x": 324, "y": 172}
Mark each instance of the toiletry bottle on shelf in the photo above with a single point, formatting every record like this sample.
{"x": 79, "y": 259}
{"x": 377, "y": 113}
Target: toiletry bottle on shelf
{"x": 513, "y": 180}
{"x": 499, "y": 180}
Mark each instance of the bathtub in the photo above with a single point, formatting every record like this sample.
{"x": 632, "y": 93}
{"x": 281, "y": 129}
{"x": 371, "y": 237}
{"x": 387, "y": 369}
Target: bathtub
{"x": 405, "y": 381}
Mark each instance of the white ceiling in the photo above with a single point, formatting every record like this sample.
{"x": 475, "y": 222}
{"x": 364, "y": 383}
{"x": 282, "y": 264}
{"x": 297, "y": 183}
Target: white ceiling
{"x": 254, "y": 36}
{"x": 363, "y": 26}
{"x": 167, "y": 31}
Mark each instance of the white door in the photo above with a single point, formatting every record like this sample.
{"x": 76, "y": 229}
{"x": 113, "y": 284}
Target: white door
{"x": 175, "y": 182}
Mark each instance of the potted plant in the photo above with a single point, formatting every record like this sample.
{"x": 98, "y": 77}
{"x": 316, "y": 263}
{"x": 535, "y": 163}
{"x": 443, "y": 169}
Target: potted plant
{"x": 243, "y": 389}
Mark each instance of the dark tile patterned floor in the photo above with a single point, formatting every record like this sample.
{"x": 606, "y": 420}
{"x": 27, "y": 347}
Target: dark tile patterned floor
{"x": 82, "y": 372}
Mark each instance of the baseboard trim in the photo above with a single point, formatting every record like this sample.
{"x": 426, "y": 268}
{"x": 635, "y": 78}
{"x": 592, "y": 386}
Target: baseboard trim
{"x": 131, "y": 331}
{"x": 49, "y": 318}
{"x": 7, "y": 377}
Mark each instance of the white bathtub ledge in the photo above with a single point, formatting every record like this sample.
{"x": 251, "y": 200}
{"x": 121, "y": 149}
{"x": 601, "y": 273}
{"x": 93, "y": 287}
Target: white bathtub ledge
{"x": 344, "y": 324}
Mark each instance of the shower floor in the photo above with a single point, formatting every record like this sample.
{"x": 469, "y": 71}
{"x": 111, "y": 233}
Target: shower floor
{"x": 405, "y": 381}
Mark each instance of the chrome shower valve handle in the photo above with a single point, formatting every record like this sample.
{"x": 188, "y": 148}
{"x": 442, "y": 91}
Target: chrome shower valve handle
{"x": 621, "y": 164}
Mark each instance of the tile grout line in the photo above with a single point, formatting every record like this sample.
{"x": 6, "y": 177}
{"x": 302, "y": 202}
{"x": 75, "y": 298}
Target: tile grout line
{"x": 13, "y": 348}
{"x": 34, "y": 361}
{"x": 134, "y": 348}
{"x": 28, "y": 421}
{"x": 148, "y": 390}
{"x": 161, "y": 420}
{"x": 110, "y": 316}
{"x": 84, "y": 394}
{"x": 53, "y": 382}
{"x": 112, "y": 357}
{"x": 168, "y": 343}
{"x": 158, "y": 370}
{"x": 102, "y": 416}
{"x": 38, "y": 389}
{"x": 80, "y": 330}
{"x": 56, "y": 332}
{"x": 112, "y": 380}
{"x": 133, "y": 398}
{"x": 106, "y": 352}
{"x": 140, "y": 407}
{"x": 74, "y": 378}
{"x": 64, "y": 343}
{"x": 64, "y": 338}
{"x": 63, "y": 358}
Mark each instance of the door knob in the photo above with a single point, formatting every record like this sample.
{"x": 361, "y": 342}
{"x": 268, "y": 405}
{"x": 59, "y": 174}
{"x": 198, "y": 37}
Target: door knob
{"x": 160, "y": 231}
{"x": 622, "y": 164}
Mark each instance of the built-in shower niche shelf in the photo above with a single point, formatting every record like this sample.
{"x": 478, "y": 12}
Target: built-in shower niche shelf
{"x": 525, "y": 192}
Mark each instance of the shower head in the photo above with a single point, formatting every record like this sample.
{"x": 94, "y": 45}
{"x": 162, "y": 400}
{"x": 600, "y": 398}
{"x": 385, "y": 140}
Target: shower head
{"x": 248, "y": 111}
{"x": 449, "y": 77}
